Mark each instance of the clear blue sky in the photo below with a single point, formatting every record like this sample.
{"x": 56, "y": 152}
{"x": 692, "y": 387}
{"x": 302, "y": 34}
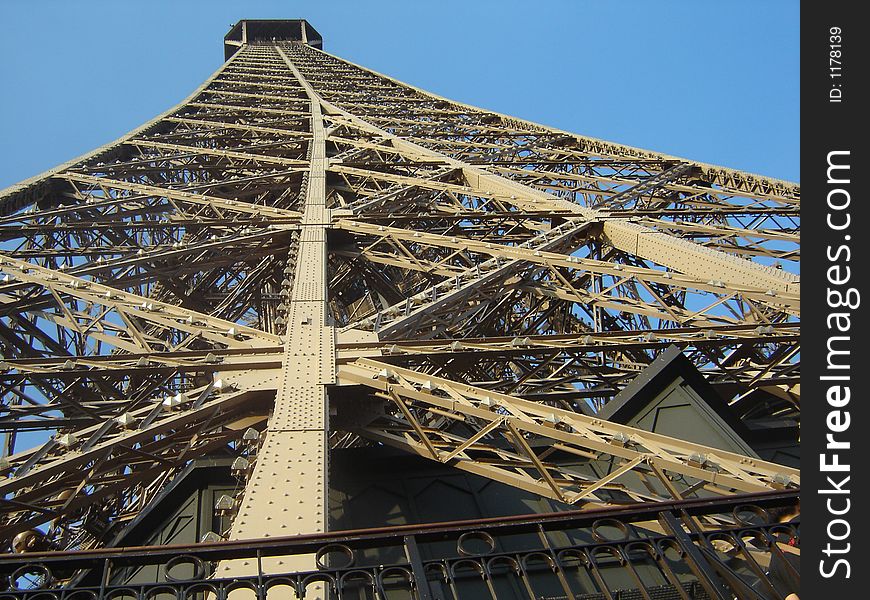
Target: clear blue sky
{"x": 716, "y": 82}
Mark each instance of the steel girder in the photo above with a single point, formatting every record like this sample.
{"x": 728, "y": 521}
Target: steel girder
{"x": 485, "y": 281}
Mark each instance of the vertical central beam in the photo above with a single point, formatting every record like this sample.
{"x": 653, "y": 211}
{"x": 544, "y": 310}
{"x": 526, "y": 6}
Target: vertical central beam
{"x": 287, "y": 493}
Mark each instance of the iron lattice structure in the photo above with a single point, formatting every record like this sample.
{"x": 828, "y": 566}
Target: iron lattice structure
{"x": 307, "y": 255}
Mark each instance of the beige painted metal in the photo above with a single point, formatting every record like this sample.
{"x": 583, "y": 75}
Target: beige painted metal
{"x": 676, "y": 253}
{"x": 425, "y": 400}
{"x": 197, "y": 150}
{"x": 730, "y": 179}
{"x": 692, "y": 259}
{"x": 591, "y": 341}
{"x": 287, "y": 492}
{"x": 749, "y": 288}
{"x": 460, "y": 285}
{"x": 62, "y": 286}
{"x": 182, "y": 415}
{"x": 183, "y": 196}
{"x": 289, "y": 133}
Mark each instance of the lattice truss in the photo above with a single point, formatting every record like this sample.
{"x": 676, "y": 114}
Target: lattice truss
{"x": 492, "y": 284}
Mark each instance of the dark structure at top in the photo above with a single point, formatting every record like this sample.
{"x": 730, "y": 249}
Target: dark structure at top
{"x": 253, "y": 31}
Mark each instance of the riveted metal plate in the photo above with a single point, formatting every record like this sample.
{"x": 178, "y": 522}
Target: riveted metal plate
{"x": 287, "y": 491}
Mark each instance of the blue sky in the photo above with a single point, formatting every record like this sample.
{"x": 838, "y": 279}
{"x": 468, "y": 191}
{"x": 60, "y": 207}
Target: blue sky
{"x": 713, "y": 82}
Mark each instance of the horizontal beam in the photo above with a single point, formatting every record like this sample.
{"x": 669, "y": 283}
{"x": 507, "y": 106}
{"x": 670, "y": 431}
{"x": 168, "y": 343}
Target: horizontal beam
{"x": 160, "y": 313}
{"x": 437, "y": 399}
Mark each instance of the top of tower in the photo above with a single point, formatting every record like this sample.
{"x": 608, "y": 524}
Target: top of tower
{"x": 249, "y": 31}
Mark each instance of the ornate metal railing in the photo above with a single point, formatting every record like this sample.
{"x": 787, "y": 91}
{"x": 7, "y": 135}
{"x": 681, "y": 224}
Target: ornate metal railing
{"x": 721, "y": 548}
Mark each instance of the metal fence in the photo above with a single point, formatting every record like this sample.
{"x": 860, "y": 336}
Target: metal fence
{"x": 718, "y": 548}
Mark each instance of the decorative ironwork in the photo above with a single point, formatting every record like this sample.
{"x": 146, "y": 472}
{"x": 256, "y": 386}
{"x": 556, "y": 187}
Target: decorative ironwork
{"x": 722, "y": 548}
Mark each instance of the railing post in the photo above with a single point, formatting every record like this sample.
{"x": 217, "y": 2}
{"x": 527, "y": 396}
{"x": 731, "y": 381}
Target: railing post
{"x": 694, "y": 558}
{"x": 420, "y": 580}
{"x": 261, "y": 592}
{"x": 557, "y": 565}
{"x": 104, "y": 578}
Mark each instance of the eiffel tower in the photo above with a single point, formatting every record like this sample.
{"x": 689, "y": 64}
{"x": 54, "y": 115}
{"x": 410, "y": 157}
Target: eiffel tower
{"x": 307, "y": 264}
